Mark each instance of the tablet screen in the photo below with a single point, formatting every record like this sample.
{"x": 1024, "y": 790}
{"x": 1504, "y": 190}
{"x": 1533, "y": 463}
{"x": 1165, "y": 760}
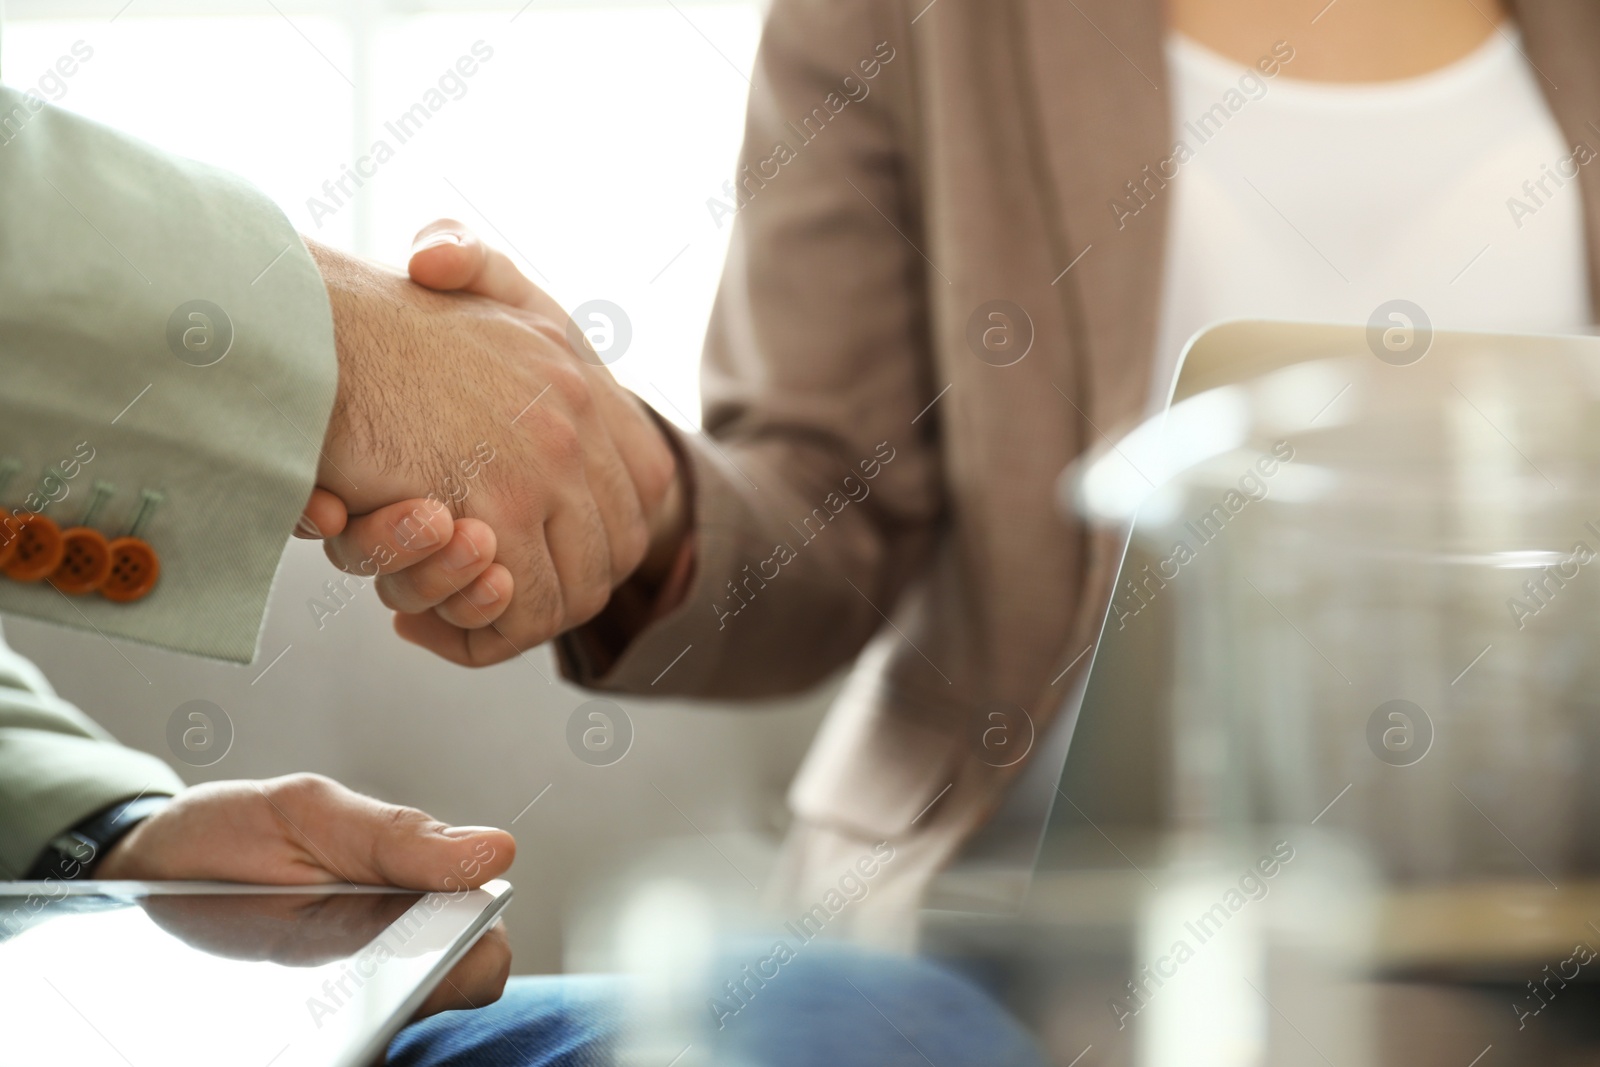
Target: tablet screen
{"x": 176, "y": 974}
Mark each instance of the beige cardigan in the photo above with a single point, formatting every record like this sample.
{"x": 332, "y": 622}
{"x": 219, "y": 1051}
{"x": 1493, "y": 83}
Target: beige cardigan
{"x": 981, "y": 157}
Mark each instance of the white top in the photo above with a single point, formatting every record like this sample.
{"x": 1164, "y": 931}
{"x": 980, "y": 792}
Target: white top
{"x": 1320, "y": 201}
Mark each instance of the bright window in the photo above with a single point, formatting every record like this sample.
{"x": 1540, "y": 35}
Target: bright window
{"x": 585, "y": 141}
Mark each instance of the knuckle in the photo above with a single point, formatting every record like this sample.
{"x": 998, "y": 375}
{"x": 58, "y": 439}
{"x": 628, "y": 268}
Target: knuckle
{"x": 429, "y": 583}
{"x": 629, "y": 547}
{"x": 458, "y": 613}
{"x": 410, "y": 529}
{"x": 546, "y": 327}
{"x": 402, "y": 819}
{"x": 392, "y": 593}
{"x": 660, "y": 468}
{"x": 536, "y": 612}
{"x": 547, "y": 617}
{"x": 485, "y": 648}
{"x": 585, "y": 603}
{"x": 341, "y": 552}
{"x": 562, "y": 445}
{"x": 587, "y": 595}
{"x": 303, "y": 787}
{"x": 551, "y": 622}
{"x": 571, "y": 385}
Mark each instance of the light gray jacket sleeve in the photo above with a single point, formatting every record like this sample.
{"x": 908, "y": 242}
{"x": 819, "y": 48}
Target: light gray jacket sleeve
{"x": 163, "y": 329}
{"x": 56, "y": 766}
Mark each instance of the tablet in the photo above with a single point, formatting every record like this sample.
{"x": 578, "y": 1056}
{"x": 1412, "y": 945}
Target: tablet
{"x": 180, "y": 973}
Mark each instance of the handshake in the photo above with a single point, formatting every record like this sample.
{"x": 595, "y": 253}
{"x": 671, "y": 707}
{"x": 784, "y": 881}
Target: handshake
{"x": 481, "y": 465}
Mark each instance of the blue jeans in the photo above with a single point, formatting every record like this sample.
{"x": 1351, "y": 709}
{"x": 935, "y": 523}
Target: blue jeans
{"x": 830, "y": 1005}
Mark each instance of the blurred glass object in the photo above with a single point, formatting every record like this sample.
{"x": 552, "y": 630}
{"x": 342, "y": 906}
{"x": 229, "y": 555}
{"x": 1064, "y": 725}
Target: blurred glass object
{"x": 1325, "y": 800}
{"x": 1332, "y": 755}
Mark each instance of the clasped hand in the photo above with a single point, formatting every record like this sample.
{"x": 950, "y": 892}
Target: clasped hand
{"x": 496, "y": 485}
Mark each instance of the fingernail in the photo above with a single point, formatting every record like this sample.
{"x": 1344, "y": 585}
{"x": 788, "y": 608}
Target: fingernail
{"x": 482, "y": 594}
{"x": 466, "y": 831}
{"x": 434, "y": 240}
{"x": 461, "y": 554}
{"x": 410, "y": 533}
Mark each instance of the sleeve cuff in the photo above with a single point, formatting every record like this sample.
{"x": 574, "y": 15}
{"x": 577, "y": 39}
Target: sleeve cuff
{"x": 55, "y": 781}
{"x": 197, "y": 365}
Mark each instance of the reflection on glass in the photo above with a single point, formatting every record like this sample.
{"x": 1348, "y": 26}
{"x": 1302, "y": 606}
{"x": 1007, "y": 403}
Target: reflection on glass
{"x": 156, "y": 975}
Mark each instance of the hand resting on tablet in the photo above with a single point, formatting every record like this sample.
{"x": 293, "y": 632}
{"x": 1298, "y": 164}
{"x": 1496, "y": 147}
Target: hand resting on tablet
{"x": 304, "y": 829}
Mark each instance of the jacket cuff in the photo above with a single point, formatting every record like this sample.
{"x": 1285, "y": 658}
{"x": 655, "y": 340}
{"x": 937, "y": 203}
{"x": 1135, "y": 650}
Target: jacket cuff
{"x": 195, "y": 364}
{"x": 68, "y": 778}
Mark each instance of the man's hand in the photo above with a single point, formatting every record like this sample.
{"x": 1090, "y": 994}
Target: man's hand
{"x": 486, "y": 406}
{"x": 308, "y": 830}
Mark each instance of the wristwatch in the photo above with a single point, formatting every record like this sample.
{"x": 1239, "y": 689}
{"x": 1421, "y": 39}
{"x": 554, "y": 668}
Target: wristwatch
{"x": 74, "y": 853}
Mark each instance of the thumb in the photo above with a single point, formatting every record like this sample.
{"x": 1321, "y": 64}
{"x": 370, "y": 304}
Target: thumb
{"x": 448, "y": 256}
{"x": 415, "y": 851}
{"x": 370, "y": 842}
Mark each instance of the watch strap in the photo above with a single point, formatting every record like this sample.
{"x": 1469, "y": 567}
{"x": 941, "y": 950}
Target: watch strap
{"x": 73, "y": 853}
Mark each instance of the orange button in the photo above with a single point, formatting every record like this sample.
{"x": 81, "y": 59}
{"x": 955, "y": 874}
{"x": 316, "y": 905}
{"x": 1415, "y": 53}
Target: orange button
{"x": 134, "y": 570}
{"x": 39, "y": 549}
{"x": 10, "y": 532}
{"x": 85, "y": 562}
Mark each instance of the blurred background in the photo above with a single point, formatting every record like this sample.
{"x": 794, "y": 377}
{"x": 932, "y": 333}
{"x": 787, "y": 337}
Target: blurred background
{"x": 591, "y": 142}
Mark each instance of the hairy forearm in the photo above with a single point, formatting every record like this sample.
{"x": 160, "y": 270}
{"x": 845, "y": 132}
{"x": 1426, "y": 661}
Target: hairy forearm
{"x": 360, "y": 295}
